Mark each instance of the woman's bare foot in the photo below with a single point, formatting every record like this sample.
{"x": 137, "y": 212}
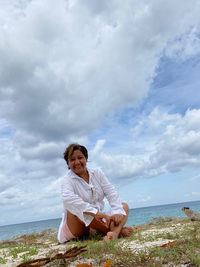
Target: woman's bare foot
{"x": 126, "y": 231}
{"x": 110, "y": 236}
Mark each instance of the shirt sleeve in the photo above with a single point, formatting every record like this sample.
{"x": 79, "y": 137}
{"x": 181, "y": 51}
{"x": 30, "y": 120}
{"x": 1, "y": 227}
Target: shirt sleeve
{"x": 111, "y": 195}
{"x": 74, "y": 204}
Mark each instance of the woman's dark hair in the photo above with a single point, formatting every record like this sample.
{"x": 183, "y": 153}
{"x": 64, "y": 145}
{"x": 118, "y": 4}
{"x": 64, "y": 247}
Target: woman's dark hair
{"x": 70, "y": 150}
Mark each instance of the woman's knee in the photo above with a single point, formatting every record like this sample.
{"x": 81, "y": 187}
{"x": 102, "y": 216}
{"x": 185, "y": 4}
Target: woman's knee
{"x": 76, "y": 226}
{"x": 99, "y": 226}
{"x": 125, "y": 207}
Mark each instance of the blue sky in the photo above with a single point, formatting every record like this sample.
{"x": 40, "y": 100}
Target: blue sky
{"x": 121, "y": 78}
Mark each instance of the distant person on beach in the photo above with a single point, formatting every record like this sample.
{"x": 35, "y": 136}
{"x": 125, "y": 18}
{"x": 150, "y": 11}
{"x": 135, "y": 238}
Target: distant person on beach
{"x": 83, "y": 192}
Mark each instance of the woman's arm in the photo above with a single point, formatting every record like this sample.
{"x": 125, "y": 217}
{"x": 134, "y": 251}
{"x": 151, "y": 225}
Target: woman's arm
{"x": 111, "y": 195}
{"x": 101, "y": 217}
{"x": 117, "y": 218}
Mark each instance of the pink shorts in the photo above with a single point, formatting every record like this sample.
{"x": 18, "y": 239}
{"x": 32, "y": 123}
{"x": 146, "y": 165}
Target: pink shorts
{"x": 64, "y": 234}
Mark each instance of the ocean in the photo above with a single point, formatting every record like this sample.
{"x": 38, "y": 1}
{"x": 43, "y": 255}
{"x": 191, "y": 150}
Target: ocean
{"x": 137, "y": 216}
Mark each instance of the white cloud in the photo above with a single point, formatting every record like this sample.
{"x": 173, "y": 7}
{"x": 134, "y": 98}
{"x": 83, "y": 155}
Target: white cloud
{"x": 4, "y": 184}
{"x": 186, "y": 46}
{"x": 43, "y": 151}
{"x": 65, "y": 65}
{"x": 172, "y": 145}
{"x": 54, "y": 187}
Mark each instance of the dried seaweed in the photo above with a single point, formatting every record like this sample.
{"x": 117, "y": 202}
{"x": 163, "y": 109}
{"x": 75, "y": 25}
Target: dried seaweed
{"x": 69, "y": 253}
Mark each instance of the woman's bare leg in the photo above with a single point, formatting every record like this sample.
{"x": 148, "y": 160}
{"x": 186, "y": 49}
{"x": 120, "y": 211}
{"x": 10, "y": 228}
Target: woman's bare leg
{"x": 126, "y": 231}
{"x": 100, "y": 227}
{"x": 115, "y": 230}
{"x": 76, "y": 226}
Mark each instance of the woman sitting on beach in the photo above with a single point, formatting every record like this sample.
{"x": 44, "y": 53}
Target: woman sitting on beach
{"x": 83, "y": 191}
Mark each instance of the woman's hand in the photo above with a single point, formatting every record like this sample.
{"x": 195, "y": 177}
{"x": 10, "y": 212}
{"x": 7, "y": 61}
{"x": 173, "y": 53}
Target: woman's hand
{"x": 99, "y": 216}
{"x": 117, "y": 218}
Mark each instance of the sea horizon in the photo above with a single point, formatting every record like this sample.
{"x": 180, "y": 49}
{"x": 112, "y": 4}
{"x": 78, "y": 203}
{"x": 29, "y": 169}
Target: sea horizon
{"x": 59, "y": 218}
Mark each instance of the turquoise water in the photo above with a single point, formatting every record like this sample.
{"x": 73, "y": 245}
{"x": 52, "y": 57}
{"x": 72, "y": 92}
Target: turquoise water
{"x": 143, "y": 215}
{"x": 136, "y": 217}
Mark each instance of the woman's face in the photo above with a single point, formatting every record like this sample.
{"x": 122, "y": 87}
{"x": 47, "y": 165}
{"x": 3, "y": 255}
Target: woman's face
{"x": 77, "y": 162}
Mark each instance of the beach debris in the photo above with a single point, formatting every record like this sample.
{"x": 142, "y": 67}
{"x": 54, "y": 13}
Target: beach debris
{"x": 192, "y": 215}
{"x": 107, "y": 264}
{"x": 69, "y": 253}
{"x": 169, "y": 244}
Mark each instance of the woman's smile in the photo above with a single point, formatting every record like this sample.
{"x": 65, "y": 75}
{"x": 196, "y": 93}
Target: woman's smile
{"x": 77, "y": 163}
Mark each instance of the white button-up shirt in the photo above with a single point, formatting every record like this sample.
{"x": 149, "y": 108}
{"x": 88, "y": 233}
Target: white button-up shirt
{"x": 79, "y": 196}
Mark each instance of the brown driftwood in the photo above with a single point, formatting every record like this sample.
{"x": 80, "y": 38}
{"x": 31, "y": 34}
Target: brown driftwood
{"x": 69, "y": 253}
{"x": 192, "y": 215}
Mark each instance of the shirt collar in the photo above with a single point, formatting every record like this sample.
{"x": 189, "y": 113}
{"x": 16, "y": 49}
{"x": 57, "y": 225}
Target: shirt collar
{"x": 74, "y": 175}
